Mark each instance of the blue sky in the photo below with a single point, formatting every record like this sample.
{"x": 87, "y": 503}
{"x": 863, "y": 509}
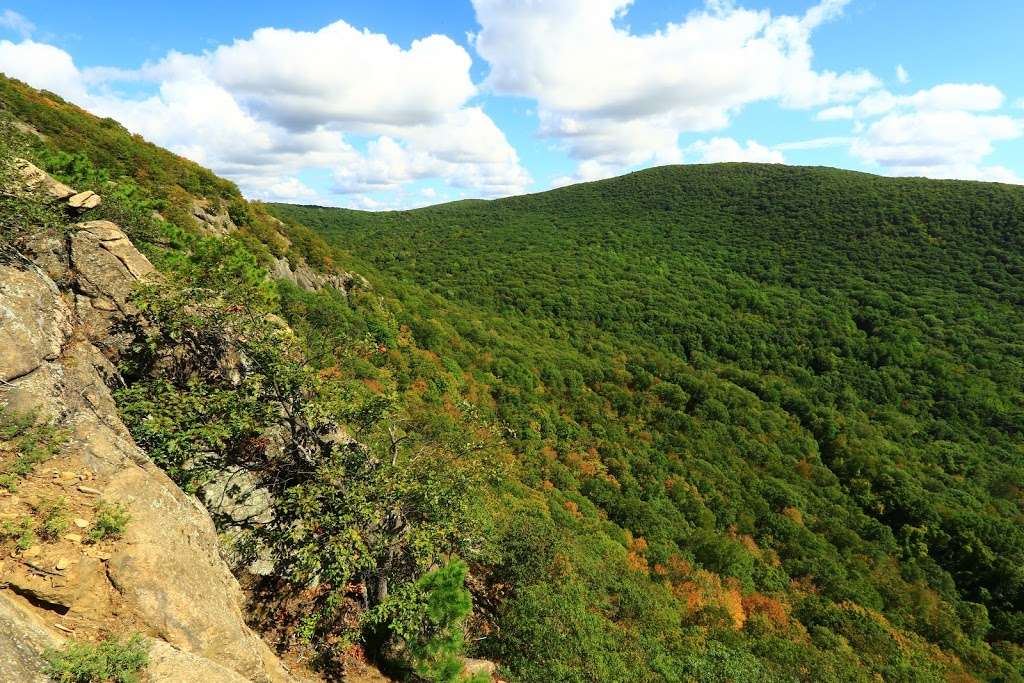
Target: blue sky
{"x": 391, "y": 104}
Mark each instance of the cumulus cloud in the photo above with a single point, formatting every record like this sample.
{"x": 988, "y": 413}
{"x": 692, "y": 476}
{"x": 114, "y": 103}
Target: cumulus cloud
{"x": 465, "y": 148}
{"x": 943, "y": 97}
{"x": 42, "y": 66}
{"x": 262, "y": 109}
{"x": 614, "y": 98}
{"x": 726, "y": 149}
{"x": 945, "y": 131}
{"x": 937, "y": 143}
{"x": 902, "y": 77}
{"x": 300, "y": 79}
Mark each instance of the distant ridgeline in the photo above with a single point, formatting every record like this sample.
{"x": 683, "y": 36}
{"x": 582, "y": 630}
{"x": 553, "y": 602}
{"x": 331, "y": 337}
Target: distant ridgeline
{"x": 706, "y": 423}
{"x": 775, "y": 415}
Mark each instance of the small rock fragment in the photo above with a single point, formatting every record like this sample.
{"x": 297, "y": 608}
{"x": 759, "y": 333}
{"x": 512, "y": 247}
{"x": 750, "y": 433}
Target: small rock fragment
{"x": 62, "y": 564}
{"x": 68, "y": 476}
{"x": 89, "y": 490}
{"x": 74, "y": 538}
{"x": 81, "y": 523}
{"x": 32, "y": 552}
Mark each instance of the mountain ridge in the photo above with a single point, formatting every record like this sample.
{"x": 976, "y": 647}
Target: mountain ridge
{"x": 766, "y": 428}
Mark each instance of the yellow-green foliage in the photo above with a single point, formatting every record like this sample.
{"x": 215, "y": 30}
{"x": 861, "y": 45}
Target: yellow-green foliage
{"x": 805, "y": 381}
{"x": 111, "y": 521}
{"x": 109, "y": 661}
{"x": 109, "y": 146}
{"x": 25, "y": 441}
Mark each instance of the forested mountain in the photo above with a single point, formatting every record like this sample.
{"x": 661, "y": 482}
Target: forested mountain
{"x": 790, "y": 394}
{"x": 703, "y": 423}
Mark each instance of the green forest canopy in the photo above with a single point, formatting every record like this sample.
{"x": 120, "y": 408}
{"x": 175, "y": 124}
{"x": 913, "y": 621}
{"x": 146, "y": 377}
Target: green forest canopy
{"x": 807, "y": 381}
{"x": 764, "y": 422}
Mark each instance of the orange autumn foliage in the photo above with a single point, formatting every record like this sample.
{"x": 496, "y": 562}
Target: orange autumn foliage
{"x": 794, "y": 514}
{"x": 707, "y": 589}
{"x": 776, "y": 610}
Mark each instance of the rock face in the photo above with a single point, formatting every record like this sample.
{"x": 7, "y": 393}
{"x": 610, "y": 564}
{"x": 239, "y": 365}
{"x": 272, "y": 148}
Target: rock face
{"x": 213, "y": 219}
{"x": 167, "y": 663}
{"x": 100, "y": 267}
{"x": 84, "y": 201}
{"x": 22, "y": 640}
{"x": 166, "y": 576}
{"x": 310, "y": 280}
{"x": 37, "y": 180}
{"x": 32, "y": 329}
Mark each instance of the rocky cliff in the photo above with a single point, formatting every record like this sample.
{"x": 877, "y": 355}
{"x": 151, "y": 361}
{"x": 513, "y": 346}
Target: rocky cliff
{"x": 65, "y": 314}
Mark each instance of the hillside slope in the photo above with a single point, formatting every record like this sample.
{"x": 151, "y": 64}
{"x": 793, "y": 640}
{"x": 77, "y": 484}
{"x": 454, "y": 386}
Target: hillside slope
{"x": 803, "y": 380}
{"x": 721, "y": 423}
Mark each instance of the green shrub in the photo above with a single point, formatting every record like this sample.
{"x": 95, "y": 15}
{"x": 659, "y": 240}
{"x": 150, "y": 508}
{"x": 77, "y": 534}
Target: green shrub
{"x": 20, "y": 211}
{"x": 31, "y": 441}
{"x": 22, "y": 532}
{"x": 107, "y": 661}
{"x": 428, "y": 616}
{"x": 53, "y": 520}
{"x": 111, "y": 520}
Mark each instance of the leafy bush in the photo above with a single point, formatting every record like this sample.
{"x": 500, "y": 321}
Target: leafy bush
{"x": 108, "y": 661}
{"x": 111, "y": 521}
{"x": 21, "y": 532}
{"x": 428, "y": 616}
{"x": 378, "y": 512}
{"x": 53, "y": 519}
{"x": 28, "y": 441}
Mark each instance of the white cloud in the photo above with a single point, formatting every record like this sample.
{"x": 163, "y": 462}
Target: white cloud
{"x": 619, "y": 98}
{"x": 877, "y": 103}
{"x": 300, "y": 79}
{"x": 943, "y": 97}
{"x": 465, "y": 148}
{"x": 902, "y": 77}
{"x": 958, "y": 97}
{"x": 937, "y": 144}
{"x": 945, "y": 131}
{"x": 261, "y": 110}
{"x": 726, "y": 149}
{"x": 11, "y": 20}
{"x": 835, "y": 113}
{"x": 42, "y": 66}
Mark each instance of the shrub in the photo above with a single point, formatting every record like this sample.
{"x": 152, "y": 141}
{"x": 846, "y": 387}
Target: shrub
{"x": 31, "y": 441}
{"x": 111, "y": 520}
{"x": 52, "y": 519}
{"x": 22, "y": 533}
{"x": 428, "y": 616}
{"x": 109, "y": 660}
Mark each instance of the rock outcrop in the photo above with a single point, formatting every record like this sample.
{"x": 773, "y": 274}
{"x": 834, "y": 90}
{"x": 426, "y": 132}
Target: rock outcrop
{"x": 213, "y": 218}
{"x": 36, "y": 180}
{"x": 98, "y": 266}
{"x": 165, "y": 577}
{"x": 23, "y": 637}
{"x": 311, "y": 280}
